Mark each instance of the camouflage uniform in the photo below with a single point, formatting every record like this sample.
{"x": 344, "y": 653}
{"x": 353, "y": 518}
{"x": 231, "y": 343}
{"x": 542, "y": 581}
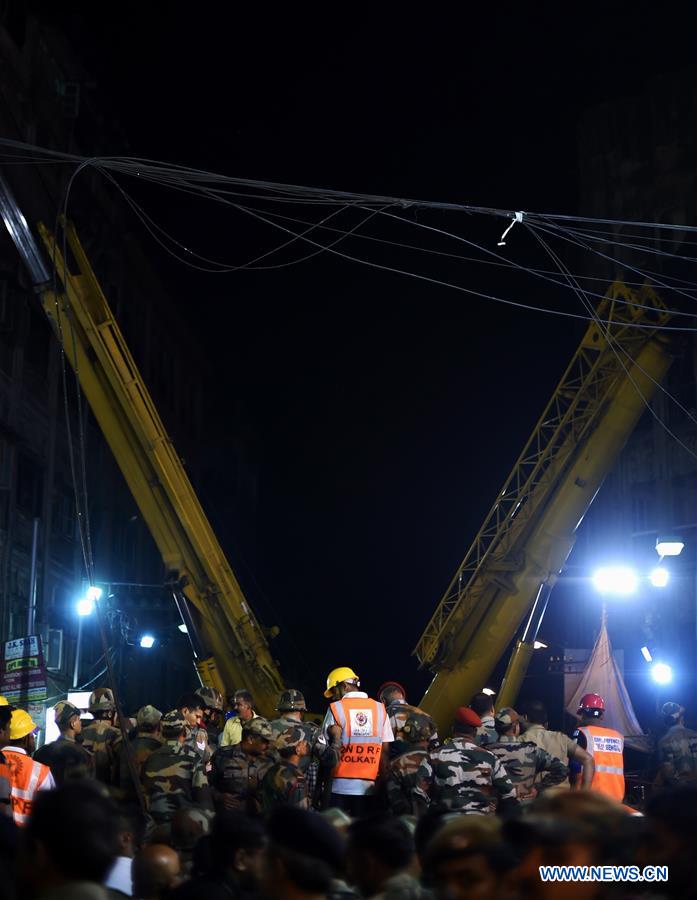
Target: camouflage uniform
{"x": 235, "y": 773}
{"x": 463, "y": 777}
{"x": 212, "y": 700}
{"x": 399, "y": 714}
{"x": 100, "y": 738}
{"x": 172, "y": 775}
{"x": 285, "y": 784}
{"x": 401, "y": 781}
{"x": 142, "y": 745}
{"x": 487, "y": 733}
{"x": 67, "y": 759}
{"x": 523, "y": 760}
{"x": 677, "y": 755}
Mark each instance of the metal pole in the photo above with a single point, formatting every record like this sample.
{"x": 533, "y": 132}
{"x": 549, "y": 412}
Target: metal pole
{"x": 78, "y": 654}
{"x": 31, "y": 611}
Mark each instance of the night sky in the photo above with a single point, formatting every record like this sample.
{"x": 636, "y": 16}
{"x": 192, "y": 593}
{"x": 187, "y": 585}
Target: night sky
{"x": 385, "y": 412}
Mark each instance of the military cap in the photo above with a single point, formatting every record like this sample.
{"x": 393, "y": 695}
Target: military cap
{"x": 290, "y": 738}
{"x": 671, "y": 710}
{"x": 102, "y": 700}
{"x": 257, "y": 727}
{"x": 64, "y": 712}
{"x": 466, "y": 716}
{"x": 291, "y": 701}
{"x": 148, "y": 715}
{"x": 505, "y": 718}
{"x": 212, "y": 698}
{"x": 417, "y": 727}
{"x": 173, "y": 723}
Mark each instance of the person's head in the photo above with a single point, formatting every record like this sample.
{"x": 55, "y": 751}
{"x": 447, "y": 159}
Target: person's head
{"x": 291, "y": 704}
{"x": 303, "y": 855}
{"x": 22, "y": 729}
{"x": 236, "y": 848}
{"x": 188, "y": 827}
{"x": 190, "y": 706}
{"x": 102, "y": 705}
{"x": 507, "y": 722}
{"x": 67, "y": 718}
{"x": 341, "y": 681}
{"x": 466, "y": 722}
{"x": 672, "y": 714}
{"x": 535, "y": 712}
{"x": 71, "y": 835}
{"x": 244, "y": 704}
{"x": 467, "y": 859}
{"x": 292, "y": 744}
{"x": 130, "y": 832}
{"x": 591, "y": 708}
{"x": 391, "y": 692}
{"x": 418, "y": 729}
{"x": 482, "y": 704}
{"x": 155, "y": 869}
{"x": 173, "y": 726}
{"x": 672, "y": 821}
{"x": 149, "y": 720}
{"x": 378, "y": 848}
{"x": 212, "y": 701}
{"x": 256, "y": 737}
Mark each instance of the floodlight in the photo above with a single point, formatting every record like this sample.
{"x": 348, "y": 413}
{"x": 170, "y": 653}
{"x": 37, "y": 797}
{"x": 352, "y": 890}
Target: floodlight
{"x": 661, "y": 673}
{"x": 183, "y": 628}
{"x": 94, "y": 593}
{"x": 619, "y": 580}
{"x": 539, "y": 645}
{"x": 488, "y": 692}
{"x": 669, "y": 546}
{"x": 659, "y": 577}
{"x": 147, "y": 641}
{"x": 85, "y": 606}
{"x": 646, "y": 653}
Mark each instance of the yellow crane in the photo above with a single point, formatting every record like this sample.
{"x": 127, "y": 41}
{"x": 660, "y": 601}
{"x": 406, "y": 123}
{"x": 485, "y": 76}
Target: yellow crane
{"x": 229, "y": 643}
{"x": 520, "y": 550}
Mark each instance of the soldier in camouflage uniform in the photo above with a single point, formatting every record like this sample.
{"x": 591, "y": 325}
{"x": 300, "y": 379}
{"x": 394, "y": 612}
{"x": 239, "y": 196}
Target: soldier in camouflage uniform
{"x": 100, "y": 736}
{"x": 146, "y": 741}
{"x": 291, "y": 705}
{"x": 67, "y": 759}
{"x": 483, "y": 705}
{"x": 677, "y": 749}
{"x": 173, "y": 776}
{"x": 463, "y": 777}
{"x": 393, "y": 695}
{"x": 237, "y": 771}
{"x": 416, "y": 733}
{"x": 285, "y": 783}
{"x": 523, "y": 760}
{"x": 212, "y": 722}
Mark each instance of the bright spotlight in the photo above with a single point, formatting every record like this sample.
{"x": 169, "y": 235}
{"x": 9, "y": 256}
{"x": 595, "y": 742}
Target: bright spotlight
{"x": 85, "y": 606}
{"x": 539, "y": 645}
{"x": 147, "y": 641}
{"x": 183, "y": 628}
{"x": 94, "y": 593}
{"x": 661, "y": 673}
{"x": 488, "y": 692}
{"x": 659, "y": 577}
{"x": 619, "y": 580}
{"x": 669, "y": 546}
{"x": 646, "y": 653}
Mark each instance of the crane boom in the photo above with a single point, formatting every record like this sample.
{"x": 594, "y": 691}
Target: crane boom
{"x": 229, "y": 642}
{"x": 530, "y": 530}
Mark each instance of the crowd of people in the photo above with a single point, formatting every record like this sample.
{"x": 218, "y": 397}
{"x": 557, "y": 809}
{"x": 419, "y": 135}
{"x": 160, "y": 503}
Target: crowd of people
{"x": 371, "y": 803}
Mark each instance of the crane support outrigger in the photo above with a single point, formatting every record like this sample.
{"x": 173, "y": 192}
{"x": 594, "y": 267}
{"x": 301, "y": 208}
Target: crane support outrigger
{"x": 230, "y": 646}
{"x": 521, "y": 548}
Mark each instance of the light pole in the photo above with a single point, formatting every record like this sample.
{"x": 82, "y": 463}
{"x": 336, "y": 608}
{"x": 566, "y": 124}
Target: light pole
{"x": 84, "y": 607}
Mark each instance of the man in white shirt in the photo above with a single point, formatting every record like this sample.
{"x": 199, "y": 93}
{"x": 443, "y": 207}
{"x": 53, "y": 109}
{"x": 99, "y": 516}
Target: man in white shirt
{"x": 364, "y": 728}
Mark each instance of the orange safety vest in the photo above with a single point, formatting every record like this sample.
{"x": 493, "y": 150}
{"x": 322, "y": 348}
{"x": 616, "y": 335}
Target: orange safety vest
{"x": 606, "y": 746}
{"x": 362, "y": 721}
{"x": 5, "y": 787}
{"x": 26, "y": 777}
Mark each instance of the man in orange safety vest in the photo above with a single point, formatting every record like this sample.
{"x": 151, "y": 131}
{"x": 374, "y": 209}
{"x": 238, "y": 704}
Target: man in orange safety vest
{"x": 605, "y": 745}
{"x": 26, "y": 776}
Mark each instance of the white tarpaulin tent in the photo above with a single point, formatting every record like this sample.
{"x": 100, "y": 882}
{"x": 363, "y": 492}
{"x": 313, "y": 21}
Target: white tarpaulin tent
{"x": 602, "y": 676}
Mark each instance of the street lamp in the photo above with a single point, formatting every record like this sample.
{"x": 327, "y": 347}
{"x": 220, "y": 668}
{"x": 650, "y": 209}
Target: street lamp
{"x": 661, "y": 673}
{"x": 619, "y": 580}
{"x": 147, "y": 641}
{"x": 659, "y": 577}
{"x": 84, "y": 607}
{"x": 669, "y": 545}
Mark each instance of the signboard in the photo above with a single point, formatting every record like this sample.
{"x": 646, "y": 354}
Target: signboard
{"x": 23, "y": 675}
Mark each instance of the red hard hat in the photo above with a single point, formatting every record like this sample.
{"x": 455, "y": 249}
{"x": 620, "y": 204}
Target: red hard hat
{"x": 591, "y": 701}
{"x": 389, "y": 684}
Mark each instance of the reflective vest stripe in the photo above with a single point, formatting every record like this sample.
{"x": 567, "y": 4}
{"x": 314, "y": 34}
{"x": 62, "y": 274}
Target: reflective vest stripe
{"x": 362, "y": 722}
{"x": 26, "y": 778}
{"x": 613, "y": 770}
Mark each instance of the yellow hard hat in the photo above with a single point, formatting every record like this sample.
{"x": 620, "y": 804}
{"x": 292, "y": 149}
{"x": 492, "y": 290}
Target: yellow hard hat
{"x": 3, "y": 701}
{"x": 336, "y": 676}
{"x": 21, "y": 724}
